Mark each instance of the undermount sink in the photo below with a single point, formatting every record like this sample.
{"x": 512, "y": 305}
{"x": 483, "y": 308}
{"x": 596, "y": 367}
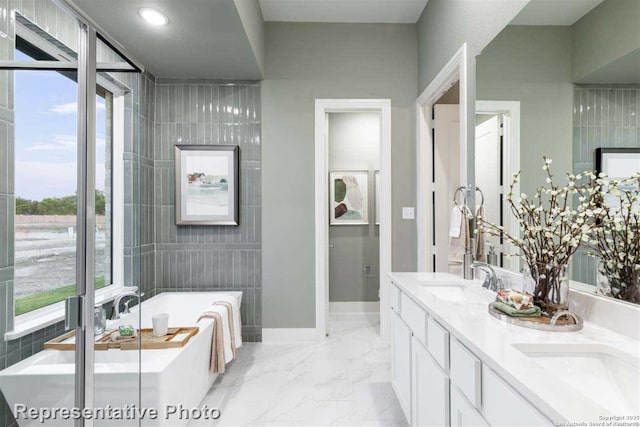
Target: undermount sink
{"x": 447, "y": 292}
{"x": 603, "y": 373}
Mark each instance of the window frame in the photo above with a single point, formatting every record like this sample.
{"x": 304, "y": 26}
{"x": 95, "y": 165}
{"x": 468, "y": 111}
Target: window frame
{"x": 37, "y": 319}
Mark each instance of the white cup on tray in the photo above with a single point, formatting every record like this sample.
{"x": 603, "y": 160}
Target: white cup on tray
{"x": 160, "y": 324}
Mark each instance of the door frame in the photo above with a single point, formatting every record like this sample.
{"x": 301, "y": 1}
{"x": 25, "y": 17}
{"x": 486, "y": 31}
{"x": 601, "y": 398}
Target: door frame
{"x": 510, "y": 110}
{"x": 322, "y": 108}
{"x": 458, "y": 69}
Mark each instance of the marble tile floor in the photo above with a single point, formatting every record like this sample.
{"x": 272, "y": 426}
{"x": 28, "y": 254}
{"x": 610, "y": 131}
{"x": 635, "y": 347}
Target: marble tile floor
{"x": 343, "y": 381}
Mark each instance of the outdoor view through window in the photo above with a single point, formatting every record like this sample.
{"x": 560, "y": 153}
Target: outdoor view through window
{"x": 46, "y": 188}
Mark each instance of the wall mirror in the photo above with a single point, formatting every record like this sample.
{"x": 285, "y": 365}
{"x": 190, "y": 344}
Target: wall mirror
{"x": 559, "y": 82}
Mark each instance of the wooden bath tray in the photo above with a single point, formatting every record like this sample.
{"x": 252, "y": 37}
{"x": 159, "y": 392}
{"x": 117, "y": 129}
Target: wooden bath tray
{"x": 67, "y": 341}
{"x": 175, "y": 338}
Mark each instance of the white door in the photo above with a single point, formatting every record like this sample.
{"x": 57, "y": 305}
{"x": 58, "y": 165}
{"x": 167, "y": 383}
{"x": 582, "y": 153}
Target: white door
{"x": 401, "y": 363}
{"x": 488, "y": 174}
{"x": 429, "y": 389}
{"x": 446, "y": 179}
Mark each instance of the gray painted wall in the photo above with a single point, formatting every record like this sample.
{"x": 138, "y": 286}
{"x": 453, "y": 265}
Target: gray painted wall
{"x": 607, "y": 33}
{"x": 354, "y": 144}
{"x": 603, "y": 116}
{"x": 210, "y": 258}
{"x": 253, "y": 23}
{"x": 533, "y": 65}
{"x": 446, "y": 24}
{"x": 305, "y": 62}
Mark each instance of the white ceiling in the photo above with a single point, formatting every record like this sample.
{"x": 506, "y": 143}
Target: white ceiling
{"x": 347, "y": 11}
{"x": 554, "y": 12}
{"x": 204, "y": 38}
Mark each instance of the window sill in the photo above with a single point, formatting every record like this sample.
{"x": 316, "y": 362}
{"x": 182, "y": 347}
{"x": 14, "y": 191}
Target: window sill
{"x": 35, "y": 320}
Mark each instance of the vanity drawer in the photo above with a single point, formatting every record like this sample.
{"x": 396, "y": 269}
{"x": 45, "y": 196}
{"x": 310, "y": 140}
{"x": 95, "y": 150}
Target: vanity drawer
{"x": 438, "y": 343}
{"x": 465, "y": 371}
{"x": 414, "y": 316}
{"x": 503, "y": 406}
{"x": 394, "y": 298}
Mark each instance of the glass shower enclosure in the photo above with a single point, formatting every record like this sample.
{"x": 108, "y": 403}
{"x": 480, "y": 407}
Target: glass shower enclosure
{"x": 69, "y": 208}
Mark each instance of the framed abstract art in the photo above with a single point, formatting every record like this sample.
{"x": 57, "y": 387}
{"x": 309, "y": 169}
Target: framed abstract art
{"x": 349, "y": 203}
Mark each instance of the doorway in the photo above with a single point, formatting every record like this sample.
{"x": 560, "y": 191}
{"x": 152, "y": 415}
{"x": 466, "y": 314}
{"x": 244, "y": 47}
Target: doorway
{"x": 354, "y": 171}
{"x": 325, "y": 213}
{"x": 497, "y": 158}
{"x": 435, "y": 205}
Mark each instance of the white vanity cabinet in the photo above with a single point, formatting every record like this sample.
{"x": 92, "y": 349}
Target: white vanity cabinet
{"x": 440, "y": 382}
{"x": 503, "y": 406}
{"x": 429, "y": 389}
{"x": 401, "y": 363}
{"x": 462, "y": 413}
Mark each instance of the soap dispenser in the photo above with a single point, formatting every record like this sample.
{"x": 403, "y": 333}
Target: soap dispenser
{"x": 492, "y": 256}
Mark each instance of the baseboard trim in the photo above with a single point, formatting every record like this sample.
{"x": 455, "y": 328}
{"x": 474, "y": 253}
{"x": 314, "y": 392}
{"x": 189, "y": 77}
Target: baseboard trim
{"x": 289, "y": 335}
{"x": 355, "y": 307}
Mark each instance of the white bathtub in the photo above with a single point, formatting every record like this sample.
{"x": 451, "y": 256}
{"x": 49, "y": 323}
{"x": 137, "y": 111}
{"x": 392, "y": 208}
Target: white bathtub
{"x": 164, "y": 377}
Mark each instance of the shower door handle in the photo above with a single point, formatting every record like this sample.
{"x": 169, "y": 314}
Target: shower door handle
{"x": 73, "y": 317}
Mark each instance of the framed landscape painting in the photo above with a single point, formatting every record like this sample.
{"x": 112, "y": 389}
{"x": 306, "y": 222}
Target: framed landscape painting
{"x": 349, "y": 204}
{"x": 207, "y": 184}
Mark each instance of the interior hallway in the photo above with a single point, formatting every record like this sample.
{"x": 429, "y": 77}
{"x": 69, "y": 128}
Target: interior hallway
{"x": 345, "y": 381}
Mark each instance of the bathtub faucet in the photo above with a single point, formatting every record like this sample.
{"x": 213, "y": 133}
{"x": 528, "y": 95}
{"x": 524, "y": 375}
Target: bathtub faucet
{"x": 116, "y": 303}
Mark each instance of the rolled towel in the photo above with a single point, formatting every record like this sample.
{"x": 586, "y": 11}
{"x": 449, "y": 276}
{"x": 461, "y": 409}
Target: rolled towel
{"x": 515, "y": 299}
{"x": 511, "y": 311}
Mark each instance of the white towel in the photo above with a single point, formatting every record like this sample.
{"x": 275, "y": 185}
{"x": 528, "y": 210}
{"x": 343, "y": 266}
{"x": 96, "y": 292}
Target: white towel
{"x": 458, "y": 245}
{"x": 237, "y": 320}
{"x": 456, "y": 222}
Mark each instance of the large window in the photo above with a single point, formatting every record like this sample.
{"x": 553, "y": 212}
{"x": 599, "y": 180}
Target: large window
{"x": 45, "y": 104}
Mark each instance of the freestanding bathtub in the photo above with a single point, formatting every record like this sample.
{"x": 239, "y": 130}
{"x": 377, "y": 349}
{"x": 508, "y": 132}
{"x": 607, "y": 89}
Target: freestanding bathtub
{"x": 156, "y": 379}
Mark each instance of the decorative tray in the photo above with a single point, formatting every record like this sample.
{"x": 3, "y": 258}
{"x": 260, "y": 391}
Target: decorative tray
{"x": 176, "y": 337}
{"x": 562, "y": 322}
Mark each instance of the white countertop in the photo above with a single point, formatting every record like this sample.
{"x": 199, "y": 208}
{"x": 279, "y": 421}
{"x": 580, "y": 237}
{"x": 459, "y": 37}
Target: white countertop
{"x": 468, "y": 320}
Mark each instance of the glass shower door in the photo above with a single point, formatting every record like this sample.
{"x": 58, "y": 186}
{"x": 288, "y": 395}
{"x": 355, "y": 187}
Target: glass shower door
{"x": 68, "y": 215}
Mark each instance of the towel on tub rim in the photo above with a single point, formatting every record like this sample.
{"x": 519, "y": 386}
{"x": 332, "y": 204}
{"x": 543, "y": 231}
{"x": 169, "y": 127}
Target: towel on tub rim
{"x": 228, "y": 353}
{"x": 237, "y": 320}
{"x": 232, "y": 335}
{"x": 217, "y": 346}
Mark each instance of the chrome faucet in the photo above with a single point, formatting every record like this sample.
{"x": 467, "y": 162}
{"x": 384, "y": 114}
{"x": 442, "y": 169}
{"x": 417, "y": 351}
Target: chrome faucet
{"x": 491, "y": 280}
{"x": 116, "y": 303}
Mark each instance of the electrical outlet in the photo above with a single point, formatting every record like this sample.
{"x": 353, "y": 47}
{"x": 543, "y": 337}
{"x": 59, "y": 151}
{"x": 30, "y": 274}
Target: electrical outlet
{"x": 408, "y": 213}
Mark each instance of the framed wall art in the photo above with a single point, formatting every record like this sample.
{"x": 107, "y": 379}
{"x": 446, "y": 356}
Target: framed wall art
{"x": 617, "y": 163}
{"x": 349, "y": 204}
{"x": 207, "y": 184}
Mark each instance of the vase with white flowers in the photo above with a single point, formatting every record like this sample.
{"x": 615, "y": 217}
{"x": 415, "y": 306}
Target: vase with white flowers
{"x": 551, "y": 230}
{"x": 616, "y": 238}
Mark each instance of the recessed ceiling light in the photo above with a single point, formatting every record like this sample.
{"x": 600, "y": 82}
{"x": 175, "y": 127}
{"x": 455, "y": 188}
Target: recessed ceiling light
{"x": 153, "y": 16}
